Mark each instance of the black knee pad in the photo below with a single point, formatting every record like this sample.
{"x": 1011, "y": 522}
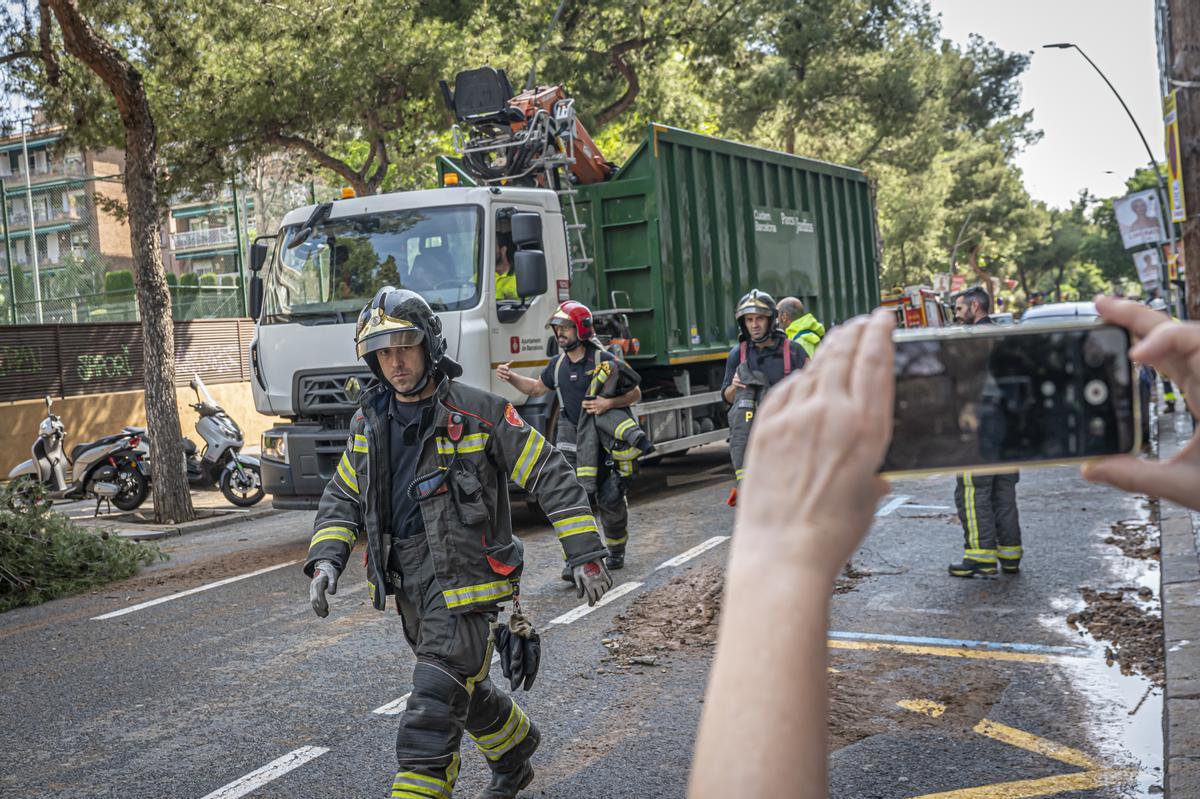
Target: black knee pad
{"x": 432, "y": 723}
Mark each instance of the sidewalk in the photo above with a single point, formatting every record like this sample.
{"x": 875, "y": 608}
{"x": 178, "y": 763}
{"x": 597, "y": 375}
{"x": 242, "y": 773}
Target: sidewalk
{"x": 212, "y": 510}
{"x": 1181, "y": 626}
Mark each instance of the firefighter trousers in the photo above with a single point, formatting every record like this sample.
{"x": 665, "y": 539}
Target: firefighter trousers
{"x": 451, "y": 691}
{"x": 608, "y": 505}
{"x": 987, "y": 508}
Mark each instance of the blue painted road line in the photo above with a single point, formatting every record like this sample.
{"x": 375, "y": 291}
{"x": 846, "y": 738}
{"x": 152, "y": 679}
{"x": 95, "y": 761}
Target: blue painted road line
{"x": 1043, "y": 649}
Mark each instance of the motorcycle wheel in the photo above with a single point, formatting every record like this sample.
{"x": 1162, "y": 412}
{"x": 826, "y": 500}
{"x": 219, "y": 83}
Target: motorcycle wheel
{"x": 134, "y": 487}
{"x": 242, "y": 488}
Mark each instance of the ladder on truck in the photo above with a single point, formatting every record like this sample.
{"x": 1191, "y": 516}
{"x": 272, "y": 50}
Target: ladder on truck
{"x": 554, "y": 134}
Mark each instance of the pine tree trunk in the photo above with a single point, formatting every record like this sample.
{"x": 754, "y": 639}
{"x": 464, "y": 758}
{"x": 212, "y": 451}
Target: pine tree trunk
{"x": 172, "y": 497}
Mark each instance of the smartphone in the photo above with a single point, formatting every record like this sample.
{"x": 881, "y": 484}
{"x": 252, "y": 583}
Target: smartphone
{"x": 991, "y": 398}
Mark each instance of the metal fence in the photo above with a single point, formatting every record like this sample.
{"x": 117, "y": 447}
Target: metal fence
{"x": 65, "y": 254}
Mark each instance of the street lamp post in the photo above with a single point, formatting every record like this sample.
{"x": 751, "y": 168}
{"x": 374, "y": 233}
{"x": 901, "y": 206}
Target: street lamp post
{"x": 1162, "y": 189}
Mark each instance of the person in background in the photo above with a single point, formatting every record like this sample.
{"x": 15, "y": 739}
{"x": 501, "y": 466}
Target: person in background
{"x": 987, "y": 504}
{"x": 800, "y": 326}
{"x": 506, "y": 278}
{"x": 767, "y": 699}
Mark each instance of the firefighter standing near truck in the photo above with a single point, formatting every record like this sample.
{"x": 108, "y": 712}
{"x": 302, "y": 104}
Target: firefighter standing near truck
{"x": 424, "y": 479}
{"x": 764, "y": 356}
{"x": 799, "y": 325}
{"x": 570, "y": 375}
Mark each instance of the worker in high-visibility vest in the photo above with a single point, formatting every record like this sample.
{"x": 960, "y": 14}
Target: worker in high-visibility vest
{"x": 799, "y": 325}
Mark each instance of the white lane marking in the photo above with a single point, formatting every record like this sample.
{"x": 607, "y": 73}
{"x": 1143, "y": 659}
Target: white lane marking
{"x": 925, "y": 507}
{"x": 190, "y": 591}
{"x": 891, "y": 506}
{"x": 395, "y": 707}
{"x": 273, "y": 770}
{"x": 684, "y": 557}
{"x": 583, "y": 610}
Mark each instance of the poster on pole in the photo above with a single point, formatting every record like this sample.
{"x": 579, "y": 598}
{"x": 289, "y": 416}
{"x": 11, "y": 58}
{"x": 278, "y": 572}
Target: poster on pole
{"x": 1174, "y": 162}
{"x": 1149, "y": 268}
{"x": 1139, "y": 218}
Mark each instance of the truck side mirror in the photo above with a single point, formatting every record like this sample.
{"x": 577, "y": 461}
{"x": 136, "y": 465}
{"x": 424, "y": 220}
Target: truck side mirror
{"x": 258, "y": 255}
{"x": 256, "y": 296}
{"x": 531, "y": 271}
{"x": 527, "y": 230}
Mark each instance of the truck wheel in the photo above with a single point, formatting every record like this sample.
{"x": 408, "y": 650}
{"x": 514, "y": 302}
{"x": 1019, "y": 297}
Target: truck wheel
{"x": 242, "y": 487}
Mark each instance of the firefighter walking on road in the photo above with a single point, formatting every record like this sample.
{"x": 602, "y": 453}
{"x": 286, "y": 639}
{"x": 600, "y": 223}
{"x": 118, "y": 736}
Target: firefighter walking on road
{"x": 987, "y": 504}
{"x": 764, "y": 356}
{"x": 570, "y": 375}
{"x": 424, "y": 479}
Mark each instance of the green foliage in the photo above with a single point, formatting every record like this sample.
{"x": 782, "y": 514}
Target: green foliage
{"x": 44, "y": 556}
{"x": 208, "y": 280}
{"x": 119, "y": 285}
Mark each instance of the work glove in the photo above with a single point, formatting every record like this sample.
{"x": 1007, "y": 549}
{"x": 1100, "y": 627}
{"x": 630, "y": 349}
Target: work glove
{"x": 520, "y": 650}
{"x": 325, "y": 577}
{"x": 593, "y": 580}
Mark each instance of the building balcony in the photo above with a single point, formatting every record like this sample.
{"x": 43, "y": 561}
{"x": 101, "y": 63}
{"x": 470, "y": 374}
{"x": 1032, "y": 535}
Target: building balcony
{"x": 211, "y": 237}
{"x": 55, "y": 171}
{"x": 56, "y": 218}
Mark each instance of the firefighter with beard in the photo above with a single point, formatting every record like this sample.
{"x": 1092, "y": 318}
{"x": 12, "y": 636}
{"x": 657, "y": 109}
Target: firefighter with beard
{"x": 424, "y": 479}
{"x": 764, "y": 356}
{"x": 570, "y": 375}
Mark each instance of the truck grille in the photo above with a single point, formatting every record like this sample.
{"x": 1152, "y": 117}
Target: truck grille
{"x": 330, "y": 393}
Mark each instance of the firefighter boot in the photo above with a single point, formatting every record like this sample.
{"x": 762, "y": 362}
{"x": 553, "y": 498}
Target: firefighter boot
{"x": 972, "y": 568}
{"x": 509, "y": 782}
{"x": 568, "y": 575}
{"x": 616, "y": 557}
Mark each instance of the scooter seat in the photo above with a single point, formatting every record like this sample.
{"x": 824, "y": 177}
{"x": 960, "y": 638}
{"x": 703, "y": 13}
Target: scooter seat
{"x": 79, "y": 449}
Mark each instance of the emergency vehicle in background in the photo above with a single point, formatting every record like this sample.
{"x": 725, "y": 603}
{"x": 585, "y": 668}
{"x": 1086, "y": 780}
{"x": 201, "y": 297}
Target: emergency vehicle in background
{"x": 659, "y": 248}
{"x": 917, "y": 306}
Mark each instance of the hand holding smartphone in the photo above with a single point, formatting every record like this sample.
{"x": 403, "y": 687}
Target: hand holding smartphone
{"x": 993, "y": 399}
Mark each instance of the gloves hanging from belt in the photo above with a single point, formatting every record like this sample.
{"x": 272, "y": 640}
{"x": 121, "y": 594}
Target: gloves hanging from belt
{"x": 325, "y": 577}
{"x": 520, "y": 649}
{"x": 593, "y": 580}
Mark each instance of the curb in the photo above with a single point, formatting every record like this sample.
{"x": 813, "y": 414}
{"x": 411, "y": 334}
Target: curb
{"x": 1180, "y": 594}
{"x": 170, "y": 531}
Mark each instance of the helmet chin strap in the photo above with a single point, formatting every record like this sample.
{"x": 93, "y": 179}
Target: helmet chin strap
{"x": 572, "y": 345}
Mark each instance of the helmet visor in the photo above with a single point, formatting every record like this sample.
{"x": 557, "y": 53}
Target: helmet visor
{"x": 390, "y": 338}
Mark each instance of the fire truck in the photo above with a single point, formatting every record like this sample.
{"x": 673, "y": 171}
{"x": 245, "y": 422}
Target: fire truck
{"x": 917, "y": 306}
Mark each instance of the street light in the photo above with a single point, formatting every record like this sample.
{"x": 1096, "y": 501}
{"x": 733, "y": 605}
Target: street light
{"x": 1162, "y": 189}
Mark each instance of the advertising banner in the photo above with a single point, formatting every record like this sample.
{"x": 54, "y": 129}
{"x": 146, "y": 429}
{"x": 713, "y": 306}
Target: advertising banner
{"x": 1174, "y": 162}
{"x": 1139, "y": 219}
{"x": 1149, "y": 268}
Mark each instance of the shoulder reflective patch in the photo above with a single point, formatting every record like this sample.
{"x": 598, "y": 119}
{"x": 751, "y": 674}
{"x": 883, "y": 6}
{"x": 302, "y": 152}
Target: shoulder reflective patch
{"x": 512, "y": 417}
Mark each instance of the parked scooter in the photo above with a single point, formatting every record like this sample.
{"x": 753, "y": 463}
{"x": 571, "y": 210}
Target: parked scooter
{"x": 113, "y": 468}
{"x": 221, "y": 462}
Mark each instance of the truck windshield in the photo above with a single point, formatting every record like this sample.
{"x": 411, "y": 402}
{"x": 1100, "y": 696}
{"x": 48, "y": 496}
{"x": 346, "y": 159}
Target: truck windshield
{"x": 337, "y": 270}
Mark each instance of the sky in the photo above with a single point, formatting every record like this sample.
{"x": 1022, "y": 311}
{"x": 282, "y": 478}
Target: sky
{"x": 1088, "y": 141}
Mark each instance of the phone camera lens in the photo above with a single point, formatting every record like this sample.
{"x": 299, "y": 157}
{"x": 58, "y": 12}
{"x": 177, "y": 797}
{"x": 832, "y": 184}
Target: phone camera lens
{"x": 1095, "y": 392}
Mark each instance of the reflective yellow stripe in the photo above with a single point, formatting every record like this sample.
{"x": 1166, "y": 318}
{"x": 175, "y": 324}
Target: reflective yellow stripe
{"x": 969, "y": 504}
{"x": 476, "y": 442}
{"x": 347, "y": 473}
{"x": 1010, "y": 553}
{"x": 575, "y": 525}
{"x": 981, "y": 555}
{"x": 585, "y": 471}
{"x": 515, "y": 730}
{"x": 360, "y": 443}
{"x": 333, "y": 534}
{"x": 739, "y": 473}
{"x": 408, "y": 784}
{"x": 624, "y": 427}
{"x": 626, "y": 454}
{"x": 472, "y": 594}
{"x": 529, "y": 456}
{"x": 616, "y": 542}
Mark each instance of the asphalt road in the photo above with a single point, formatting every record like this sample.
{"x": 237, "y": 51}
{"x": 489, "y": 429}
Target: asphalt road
{"x": 238, "y": 690}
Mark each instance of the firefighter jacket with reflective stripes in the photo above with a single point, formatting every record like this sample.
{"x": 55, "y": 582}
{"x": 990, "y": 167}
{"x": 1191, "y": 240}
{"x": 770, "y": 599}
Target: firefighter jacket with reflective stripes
{"x": 741, "y": 414}
{"x": 807, "y": 332}
{"x": 613, "y": 434}
{"x": 472, "y": 444}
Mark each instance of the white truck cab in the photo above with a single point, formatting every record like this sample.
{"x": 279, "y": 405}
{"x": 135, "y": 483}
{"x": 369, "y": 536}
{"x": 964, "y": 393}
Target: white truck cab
{"x": 328, "y": 261}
